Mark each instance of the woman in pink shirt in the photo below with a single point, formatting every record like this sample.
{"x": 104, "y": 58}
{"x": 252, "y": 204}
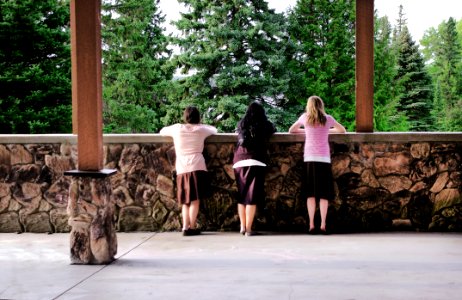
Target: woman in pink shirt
{"x": 191, "y": 170}
{"x": 316, "y": 125}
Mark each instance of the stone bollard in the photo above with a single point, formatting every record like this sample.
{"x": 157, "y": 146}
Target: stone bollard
{"x": 90, "y": 209}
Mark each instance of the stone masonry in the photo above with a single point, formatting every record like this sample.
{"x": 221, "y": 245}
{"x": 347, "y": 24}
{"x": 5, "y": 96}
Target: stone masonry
{"x": 90, "y": 210}
{"x": 383, "y": 182}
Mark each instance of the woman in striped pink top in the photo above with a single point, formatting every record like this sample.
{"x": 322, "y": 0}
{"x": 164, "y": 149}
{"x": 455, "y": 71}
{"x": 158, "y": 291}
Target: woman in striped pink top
{"x": 316, "y": 125}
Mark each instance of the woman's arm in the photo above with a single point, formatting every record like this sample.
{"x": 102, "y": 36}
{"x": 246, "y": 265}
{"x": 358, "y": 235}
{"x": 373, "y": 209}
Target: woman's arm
{"x": 337, "y": 128}
{"x": 166, "y": 130}
{"x": 211, "y": 129}
{"x": 296, "y": 128}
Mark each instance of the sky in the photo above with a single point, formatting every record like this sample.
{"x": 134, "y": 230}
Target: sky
{"x": 420, "y": 14}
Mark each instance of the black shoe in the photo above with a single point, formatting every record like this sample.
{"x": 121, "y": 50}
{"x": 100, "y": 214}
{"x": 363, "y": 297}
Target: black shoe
{"x": 191, "y": 231}
{"x": 312, "y": 231}
{"x": 324, "y": 231}
{"x": 194, "y": 231}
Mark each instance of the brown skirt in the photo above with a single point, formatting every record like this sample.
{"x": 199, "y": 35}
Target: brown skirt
{"x": 250, "y": 184}
{"x": 192, "y": 186}
{"x": 319, "y": 181}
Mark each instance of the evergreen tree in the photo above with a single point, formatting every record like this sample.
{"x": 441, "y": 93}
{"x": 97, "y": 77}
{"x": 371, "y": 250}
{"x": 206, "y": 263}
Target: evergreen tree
{"x": 456, "y": 117}
{"x": 135, "y": 65}
{"x": 386, "y": 100}
{"x": 35, "y": 67}
{"x": 429, "y": 42}
{"x": 233, "y": 52}
{"x": 444, "y": 56}
{"x": 415, "y": 83}
{"x": 448, "y": 59}
{"x": 449, "y": 77}
{"x": 401, "y": 22}
{"x": 459, "y": 31}
{"x": 324, "y": 64}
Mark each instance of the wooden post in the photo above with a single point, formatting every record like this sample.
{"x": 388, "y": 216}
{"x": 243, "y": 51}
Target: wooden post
{"x": 364, "y": 65}
{"x": 91, "y": 205}
{"x": 86, "y": 82}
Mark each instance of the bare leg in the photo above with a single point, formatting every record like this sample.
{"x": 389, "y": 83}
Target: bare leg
{"x": 249, "y": 216}
{"x": 185, "y": 215}
{"x": 241, "y": 212}
{"x": 193, "y": 212}
{"x": 311, "y": 204}
{"x": 323, "y": 206}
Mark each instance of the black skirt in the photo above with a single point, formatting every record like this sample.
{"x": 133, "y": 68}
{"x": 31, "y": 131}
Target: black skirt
{"x": 319, "y": 181}
{"x": 192, "y": 186}
{"x": 250, "y": 184}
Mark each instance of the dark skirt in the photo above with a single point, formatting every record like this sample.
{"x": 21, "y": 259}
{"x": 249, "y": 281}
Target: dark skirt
{"x": 250, "y": 184}
{"x": 192, "y": 186}
{"x": 319, "y": 181}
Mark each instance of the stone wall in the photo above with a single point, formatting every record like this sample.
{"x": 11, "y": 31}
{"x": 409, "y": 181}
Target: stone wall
{"x": 384, "y": 181}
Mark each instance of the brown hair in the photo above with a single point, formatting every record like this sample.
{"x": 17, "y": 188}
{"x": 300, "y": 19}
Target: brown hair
{"x": 191, "y": 115}
{"x": 315, "y": 114}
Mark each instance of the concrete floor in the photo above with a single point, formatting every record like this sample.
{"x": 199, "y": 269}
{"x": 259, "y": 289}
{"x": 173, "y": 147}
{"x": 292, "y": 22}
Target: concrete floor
{"x": 230, "y": 266}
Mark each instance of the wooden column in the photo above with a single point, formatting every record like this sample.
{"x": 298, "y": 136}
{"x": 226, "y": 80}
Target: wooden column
{"x": 91, "y": 206}
{"x": 86, "y": 82}
{"x": 364, "y": 65}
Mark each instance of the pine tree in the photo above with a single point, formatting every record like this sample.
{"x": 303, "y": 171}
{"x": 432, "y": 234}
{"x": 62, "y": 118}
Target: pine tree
{"x": 401, "y": 22}
{"x": 35, "y": 67}
{"x": 324, "y": 64}
{"x": 136, "y": 69}
{"x": 413, "y": 80}
{"x": 233, "y": 52}
{"x": 386, "y": 101}
{"x": 448, "y": 58}
{"x": 448, "y": 61}
{"x": 459, "y": 31}
{"x": 443, "y": 52}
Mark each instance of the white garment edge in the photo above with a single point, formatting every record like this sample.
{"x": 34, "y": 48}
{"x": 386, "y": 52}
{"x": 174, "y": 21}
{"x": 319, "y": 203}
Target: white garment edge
{"x": 317, "y": 158}
{"x": 248, "y": 163}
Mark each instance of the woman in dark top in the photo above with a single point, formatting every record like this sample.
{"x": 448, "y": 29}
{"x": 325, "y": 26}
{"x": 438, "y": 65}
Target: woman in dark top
{"x": 250, "y": 158}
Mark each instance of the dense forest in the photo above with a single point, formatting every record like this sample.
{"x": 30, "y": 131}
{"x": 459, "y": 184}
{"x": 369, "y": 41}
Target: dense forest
{"x": 225, "y": 55}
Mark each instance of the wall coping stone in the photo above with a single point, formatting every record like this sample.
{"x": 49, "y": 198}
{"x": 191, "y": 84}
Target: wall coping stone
{"x": 280, "y": 137}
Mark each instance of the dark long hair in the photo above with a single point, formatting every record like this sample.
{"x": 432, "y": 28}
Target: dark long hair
{"x": 254, "y": 127}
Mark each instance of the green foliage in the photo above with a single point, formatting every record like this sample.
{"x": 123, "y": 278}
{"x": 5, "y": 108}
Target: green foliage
{"x": 454, "y": 117}
{"x": 130, "y": 118}
{"x": 230, "y": 52}
{"x": 234, "y": 52}
{"x": 35, "y": 81}
{"x": 443, "y": 52}
{"x": 415, "y": 99}
{"x": 459, "y": 31}
{"x": 324, "y": 63}
{"x": 387, "y": 117}
{"x": 135, "y": 66}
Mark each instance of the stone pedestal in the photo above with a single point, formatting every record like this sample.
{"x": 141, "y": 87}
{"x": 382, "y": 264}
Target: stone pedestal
{"x": 90, "y": 208}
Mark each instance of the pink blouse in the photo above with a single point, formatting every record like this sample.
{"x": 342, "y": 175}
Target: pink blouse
{"x": 188, "y": 140}
{"x": 317, "y": 140}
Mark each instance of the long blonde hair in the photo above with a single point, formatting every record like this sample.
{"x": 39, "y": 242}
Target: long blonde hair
{"x": 315, "y": 114}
